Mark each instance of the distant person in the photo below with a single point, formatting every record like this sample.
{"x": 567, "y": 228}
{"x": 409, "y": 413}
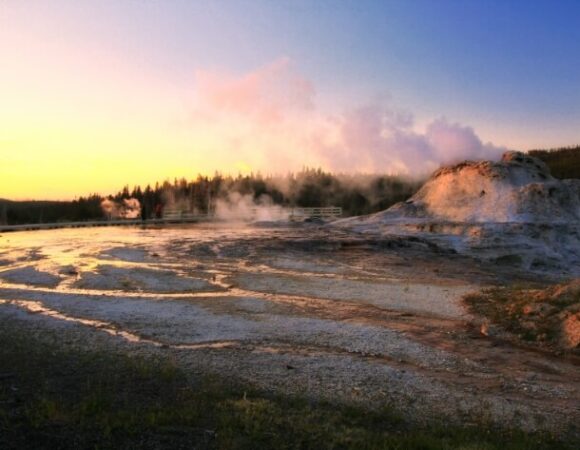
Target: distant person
{"x": 158, "y": 211}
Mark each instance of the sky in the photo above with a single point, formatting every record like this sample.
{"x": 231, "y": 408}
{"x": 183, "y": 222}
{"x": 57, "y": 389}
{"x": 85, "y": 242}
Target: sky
{"x": 98, "y": 94}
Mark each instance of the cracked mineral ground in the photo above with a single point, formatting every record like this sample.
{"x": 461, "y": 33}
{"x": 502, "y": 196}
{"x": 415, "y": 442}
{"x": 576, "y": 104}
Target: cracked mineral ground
{"x": 294, "y": 309}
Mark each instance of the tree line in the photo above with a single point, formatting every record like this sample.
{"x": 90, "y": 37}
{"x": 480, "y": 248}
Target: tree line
{"x": 356, "y": 194}
{"x": 563, "y": 162}
{"x": 81, "y": 209}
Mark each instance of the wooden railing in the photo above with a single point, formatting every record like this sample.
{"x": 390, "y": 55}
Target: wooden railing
{"x": 89, "y": 223}
{"x": 177, "y": 214}
{"x": 327, "y": 212}
{"x": 174, "y": 216}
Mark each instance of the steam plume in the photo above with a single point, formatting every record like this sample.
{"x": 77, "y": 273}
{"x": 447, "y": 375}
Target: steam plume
{"x": 267, "y": 118}
{"x": 129, "y": 208}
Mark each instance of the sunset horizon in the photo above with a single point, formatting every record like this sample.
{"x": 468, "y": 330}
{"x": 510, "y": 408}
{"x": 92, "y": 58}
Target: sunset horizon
{"x": 99, "y": 95}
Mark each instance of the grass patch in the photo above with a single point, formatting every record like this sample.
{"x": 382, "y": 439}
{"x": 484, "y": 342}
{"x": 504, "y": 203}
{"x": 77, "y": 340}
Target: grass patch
{"x": 54, "y": 397}
{"x": 549, "y": 317}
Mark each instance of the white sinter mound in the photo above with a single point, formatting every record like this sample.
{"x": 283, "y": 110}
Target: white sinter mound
{"x": 512, "y": 208}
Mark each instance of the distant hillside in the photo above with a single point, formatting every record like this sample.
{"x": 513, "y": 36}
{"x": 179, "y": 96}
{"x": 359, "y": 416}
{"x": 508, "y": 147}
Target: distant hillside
{"x": 563, "y": 162}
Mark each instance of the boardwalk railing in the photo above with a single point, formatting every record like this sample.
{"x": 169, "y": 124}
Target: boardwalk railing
{"x": 172, "y": 216}
{"x": 294, "y": 214}
{"x": 328, "y": 212}
{"x": 181, "y": 215}
{"x": 97, "y": 223}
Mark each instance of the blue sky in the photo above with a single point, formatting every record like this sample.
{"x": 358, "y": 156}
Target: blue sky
{"x": 505, "y": 65}
{"x": 501, "y": 65}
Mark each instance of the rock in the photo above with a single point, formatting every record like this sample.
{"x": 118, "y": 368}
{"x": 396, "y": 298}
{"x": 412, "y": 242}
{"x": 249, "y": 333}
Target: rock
{"x": 484, "y": 328}
{"x": 511, "y": 212}
{"x": 69, "y": 270}
{"x": 571, "y": 331}
{"x": 573, "y": 185}
{"x": 519, "y": 188}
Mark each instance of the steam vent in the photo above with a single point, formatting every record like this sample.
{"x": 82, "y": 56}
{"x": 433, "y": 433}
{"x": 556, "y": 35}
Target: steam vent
{"x": 511, "y": 211}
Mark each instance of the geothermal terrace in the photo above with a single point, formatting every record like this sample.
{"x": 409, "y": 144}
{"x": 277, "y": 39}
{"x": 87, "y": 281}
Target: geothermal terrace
{"x": 309, "y": 309}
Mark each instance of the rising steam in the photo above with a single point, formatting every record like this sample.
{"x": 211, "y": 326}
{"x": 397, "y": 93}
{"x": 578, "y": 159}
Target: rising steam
{"x": 267, "y": 120}
{"x": 128, "y": 208}
{"x": 238, "y": 207}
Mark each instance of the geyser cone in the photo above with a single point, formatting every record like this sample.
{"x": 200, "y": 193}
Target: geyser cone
{"x": 512, "y": 208}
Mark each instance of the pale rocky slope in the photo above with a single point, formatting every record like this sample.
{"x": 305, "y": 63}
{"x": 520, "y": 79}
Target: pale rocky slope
{"x": 511, "y": 211}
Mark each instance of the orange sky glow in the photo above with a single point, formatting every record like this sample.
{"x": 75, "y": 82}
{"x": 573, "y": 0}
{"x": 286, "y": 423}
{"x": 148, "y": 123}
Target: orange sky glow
{"x": 98, "y": 95}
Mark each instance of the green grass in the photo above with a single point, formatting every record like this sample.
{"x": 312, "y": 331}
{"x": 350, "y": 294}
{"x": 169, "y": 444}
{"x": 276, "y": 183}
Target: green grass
{"x": 58, "y": 397}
